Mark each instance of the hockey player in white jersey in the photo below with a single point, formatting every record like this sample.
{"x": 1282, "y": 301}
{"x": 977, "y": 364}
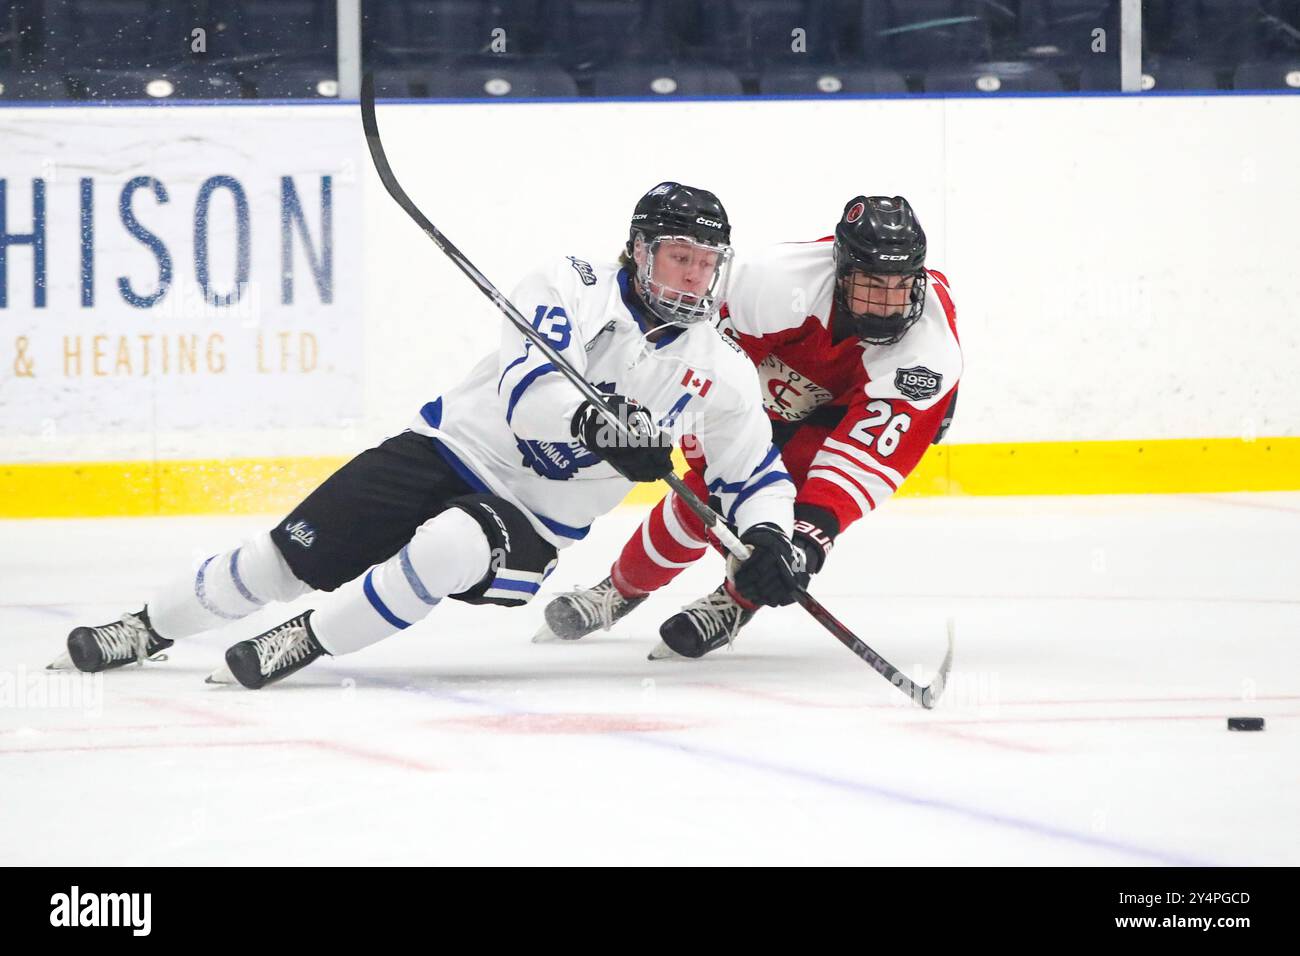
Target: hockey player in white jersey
{"x": 494, "y": 476}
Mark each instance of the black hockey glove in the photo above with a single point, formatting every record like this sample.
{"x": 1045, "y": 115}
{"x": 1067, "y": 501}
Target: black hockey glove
{"x": 814, "y": 534}
{"x": 641, "y": 452}
{"x": 768, "y": 575}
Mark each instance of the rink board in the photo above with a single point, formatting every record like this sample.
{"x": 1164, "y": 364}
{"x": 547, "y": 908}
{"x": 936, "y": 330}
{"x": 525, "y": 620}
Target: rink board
{"x": 212, "y": 322}
{"x": 253, "y": 485}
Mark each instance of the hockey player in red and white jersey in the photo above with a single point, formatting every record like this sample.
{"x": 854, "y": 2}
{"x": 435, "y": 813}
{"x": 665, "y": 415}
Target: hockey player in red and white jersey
{"x": 855, "y": 342}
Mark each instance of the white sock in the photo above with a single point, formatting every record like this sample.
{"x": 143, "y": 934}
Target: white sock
{"x": 225, "y": 588}
{"x": 448, "y": 554}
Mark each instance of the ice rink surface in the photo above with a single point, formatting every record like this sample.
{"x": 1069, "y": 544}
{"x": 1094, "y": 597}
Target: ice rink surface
{"x": 1101, "y": 644}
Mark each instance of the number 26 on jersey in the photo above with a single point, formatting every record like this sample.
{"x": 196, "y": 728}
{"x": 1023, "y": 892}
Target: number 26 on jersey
{"x": 881, "y": 414}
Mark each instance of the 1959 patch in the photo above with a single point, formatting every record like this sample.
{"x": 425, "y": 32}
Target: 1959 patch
{"x": 918, "y": 382}
{"x": 584, "y": 270}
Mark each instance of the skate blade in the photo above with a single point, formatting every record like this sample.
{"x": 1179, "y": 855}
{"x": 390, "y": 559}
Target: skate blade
{"x": 545, "y": 635}
{"x": 61, "y": 663}
{"x": 663, "y": 652}
{"x": 222, "y": 676}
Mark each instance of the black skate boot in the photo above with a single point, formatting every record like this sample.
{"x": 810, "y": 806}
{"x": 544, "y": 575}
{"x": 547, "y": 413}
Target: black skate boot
{"x": 272, "y": 656}
{"x": 130, "y": 640}
{"x": 702, "y": 626}
{"x": 578, "y": 613}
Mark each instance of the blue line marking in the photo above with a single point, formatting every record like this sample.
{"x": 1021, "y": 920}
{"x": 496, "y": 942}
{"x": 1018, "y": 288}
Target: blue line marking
{"x": 859, "y": 788}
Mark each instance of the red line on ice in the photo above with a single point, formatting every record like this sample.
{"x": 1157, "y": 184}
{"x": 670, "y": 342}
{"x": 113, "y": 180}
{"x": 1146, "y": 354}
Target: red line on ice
{"x": 326, "y": 745}
{"x": 214, "y": 718}
{"x": 98, "y": 728}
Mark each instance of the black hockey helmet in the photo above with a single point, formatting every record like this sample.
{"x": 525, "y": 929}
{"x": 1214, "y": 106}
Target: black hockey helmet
{"x": 672, "y": 209}
{"x": 877, "y": 239}
{"x": 690, "y": 218}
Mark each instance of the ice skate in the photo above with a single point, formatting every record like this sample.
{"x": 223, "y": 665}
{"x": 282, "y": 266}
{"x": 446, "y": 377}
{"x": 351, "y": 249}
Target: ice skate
{"x": 130, "y": 640}
{"x": 578, "y": 613}
{"x": 269, "y": 657}
{"x": 702, "y": 626}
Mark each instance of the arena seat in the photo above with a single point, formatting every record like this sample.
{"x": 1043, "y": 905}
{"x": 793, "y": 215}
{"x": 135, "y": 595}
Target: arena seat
{"x": 26, "y": 85}
{"x": 494, "y": 78}
{"x": 831, "y": 79}
{"x": 1157, "y": 75}
{"x": 1270, "y": 75}
{"x": 666, "y": 79}
{"x": 1011, "y": 77}
{"x": 146, "y": 84}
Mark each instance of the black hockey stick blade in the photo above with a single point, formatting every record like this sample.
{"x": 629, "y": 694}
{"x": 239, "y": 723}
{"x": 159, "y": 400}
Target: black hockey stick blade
{"x": 926, "y": 696}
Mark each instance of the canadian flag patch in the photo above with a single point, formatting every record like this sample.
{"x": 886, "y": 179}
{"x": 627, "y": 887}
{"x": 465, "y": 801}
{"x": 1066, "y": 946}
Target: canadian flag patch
{"x": 694, "y": 382}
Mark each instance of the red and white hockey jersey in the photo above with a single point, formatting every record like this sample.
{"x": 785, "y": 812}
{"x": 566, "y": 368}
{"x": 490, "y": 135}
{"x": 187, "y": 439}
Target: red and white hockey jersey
{"x": 857, "y": 417}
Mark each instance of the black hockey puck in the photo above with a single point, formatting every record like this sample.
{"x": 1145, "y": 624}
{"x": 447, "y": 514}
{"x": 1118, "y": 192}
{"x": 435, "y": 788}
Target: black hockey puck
{"x": 1245, "y": 723}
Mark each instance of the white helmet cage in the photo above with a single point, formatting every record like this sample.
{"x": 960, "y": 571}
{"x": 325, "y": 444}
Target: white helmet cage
{"x": 680, "y": 306}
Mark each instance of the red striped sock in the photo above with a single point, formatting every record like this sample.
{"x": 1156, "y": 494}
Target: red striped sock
{"x": 669, "y": 540}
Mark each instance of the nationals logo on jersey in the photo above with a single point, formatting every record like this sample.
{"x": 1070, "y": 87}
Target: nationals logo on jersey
{"x": 787, "y": 392}
{"x": 585, "y": 272}
{"x": 555, "y": 460}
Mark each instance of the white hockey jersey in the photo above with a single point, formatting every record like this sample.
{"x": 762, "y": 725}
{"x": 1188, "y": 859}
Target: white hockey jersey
{"x": 506, "y": 427}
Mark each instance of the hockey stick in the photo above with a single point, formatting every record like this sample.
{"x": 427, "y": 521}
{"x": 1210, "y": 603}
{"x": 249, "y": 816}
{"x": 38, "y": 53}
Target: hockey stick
{"x": 925, "y": 696}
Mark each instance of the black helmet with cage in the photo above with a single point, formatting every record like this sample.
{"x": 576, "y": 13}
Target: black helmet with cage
{"x": 880, "y": 278}
{"x": 693, "y": 225}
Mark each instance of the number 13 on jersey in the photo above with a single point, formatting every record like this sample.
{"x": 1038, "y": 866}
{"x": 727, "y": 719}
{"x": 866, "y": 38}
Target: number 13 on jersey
{"x": 553, "y": 322}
